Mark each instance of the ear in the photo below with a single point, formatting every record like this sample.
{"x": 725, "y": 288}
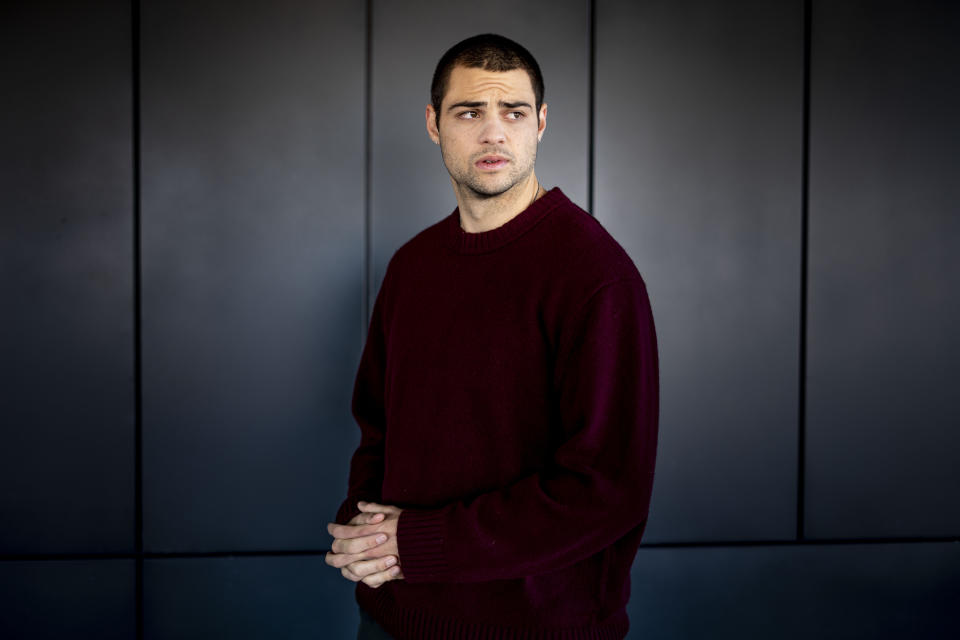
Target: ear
{"x": 432, "y": 130}
{"x": 543, "y": 121}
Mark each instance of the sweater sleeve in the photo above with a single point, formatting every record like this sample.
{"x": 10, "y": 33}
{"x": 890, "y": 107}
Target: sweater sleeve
{"x": 598, "y": 484}
{"x": 366, "y": 466}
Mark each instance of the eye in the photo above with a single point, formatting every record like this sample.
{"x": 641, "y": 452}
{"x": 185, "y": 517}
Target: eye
{"x": 468, "y": 115}
{"x": 516, "y": 115}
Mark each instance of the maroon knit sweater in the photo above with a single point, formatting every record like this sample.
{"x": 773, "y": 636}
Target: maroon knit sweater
{"x": 507, "y": 398}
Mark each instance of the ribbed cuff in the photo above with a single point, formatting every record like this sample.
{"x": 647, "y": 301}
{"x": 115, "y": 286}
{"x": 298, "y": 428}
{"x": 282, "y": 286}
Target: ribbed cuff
{"x": 420, "y": 541}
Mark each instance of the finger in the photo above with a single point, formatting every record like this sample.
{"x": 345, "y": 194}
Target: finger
{"x": 340, "y": 560}
{"x": 375, "y": 580}
{"x": 365, "y": 568}
{"x": 358, "y": 545}
{"x": 349, "y": 530}
{"x": 349, "y": 575}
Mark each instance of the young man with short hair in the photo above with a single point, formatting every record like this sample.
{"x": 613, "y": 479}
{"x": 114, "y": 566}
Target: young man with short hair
{"x": 507, "y": 394}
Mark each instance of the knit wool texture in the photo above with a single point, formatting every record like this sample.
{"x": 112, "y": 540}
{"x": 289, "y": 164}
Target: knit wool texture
{"x": 507, "y": 398}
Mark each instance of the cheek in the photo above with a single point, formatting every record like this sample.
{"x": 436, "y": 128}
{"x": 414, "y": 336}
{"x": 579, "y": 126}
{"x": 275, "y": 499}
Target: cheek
{"x": 454, "y": 147}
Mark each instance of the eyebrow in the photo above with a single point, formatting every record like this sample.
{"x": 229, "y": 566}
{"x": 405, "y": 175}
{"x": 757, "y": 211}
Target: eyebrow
{"x": 501, "y": 103}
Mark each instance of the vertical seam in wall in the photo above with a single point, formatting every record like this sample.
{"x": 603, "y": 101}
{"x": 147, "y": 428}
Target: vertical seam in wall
{"x": 804, "y": 222}
{"x": 137, "y": 336}
{"x": 591, "y": 135}
{"x": 367, "y": 267}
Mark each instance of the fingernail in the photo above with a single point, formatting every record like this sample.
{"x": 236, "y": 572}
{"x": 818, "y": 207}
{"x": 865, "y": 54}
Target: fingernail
{"x": 395, "y": 571}
{"x": 390, "y": 561}
{"x": 381, "y": 538}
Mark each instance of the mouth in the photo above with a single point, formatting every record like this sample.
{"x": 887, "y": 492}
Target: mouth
{"x": 491, "y": 163}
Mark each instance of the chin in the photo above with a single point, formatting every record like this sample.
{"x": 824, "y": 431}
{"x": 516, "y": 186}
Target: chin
{"x": 491, "y": 188}
{"x": 489, "y": 192}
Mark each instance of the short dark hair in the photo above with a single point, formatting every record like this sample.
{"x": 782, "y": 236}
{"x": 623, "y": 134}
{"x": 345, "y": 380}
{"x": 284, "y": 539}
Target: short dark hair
{"x": 490, "y": 52}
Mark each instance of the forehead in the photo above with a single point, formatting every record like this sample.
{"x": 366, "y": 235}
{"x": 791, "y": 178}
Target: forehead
{"x": 468, "y": 82}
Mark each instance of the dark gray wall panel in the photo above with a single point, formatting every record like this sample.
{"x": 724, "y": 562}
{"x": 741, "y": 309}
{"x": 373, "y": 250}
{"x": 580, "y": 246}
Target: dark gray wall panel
{"x": 252, "y": 253}
{"x": 66, "y": 265}
{"x": 411, "y": 186}
{"x": 884, "y": 353}
{"x": 295, "y": 597}
{"x": 698, "y": 130}
{"x": 67, "y": 599}
{"x": 844, "y": 591}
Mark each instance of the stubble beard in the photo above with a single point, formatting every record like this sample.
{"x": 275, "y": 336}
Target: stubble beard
{"x": 466, "y": 176}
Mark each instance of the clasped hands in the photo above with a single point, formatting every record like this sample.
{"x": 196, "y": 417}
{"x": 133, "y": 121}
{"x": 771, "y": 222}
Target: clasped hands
{"x": 365, "y": 549}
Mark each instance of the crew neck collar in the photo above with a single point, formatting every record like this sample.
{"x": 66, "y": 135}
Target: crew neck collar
{"x": 465, "y": 242}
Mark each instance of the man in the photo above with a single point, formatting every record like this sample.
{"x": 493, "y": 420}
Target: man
{"x": 507, "y": 394}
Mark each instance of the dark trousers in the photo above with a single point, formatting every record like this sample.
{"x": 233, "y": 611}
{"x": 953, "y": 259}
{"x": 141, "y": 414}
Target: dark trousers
{"x": 369, "y": 629}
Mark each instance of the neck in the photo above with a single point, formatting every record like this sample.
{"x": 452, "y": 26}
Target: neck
{"x": 479, "y": 213}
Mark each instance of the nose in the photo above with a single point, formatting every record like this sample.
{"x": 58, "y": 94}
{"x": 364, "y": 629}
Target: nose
{"x": 492, "y": 131}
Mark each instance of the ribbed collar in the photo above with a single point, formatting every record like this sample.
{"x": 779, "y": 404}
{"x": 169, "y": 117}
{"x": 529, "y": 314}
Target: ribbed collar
{"x": 465, "y": 242}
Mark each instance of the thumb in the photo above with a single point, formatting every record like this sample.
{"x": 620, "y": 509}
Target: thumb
{"x": 373, "y": 506}
{"x": 366, "y": 518}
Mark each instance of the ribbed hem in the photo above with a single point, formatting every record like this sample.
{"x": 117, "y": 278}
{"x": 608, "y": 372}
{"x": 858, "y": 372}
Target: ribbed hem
{"x": 465, "y": 242}
{"x": 420, "y": 537}
{"x": 421, "y": 625}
